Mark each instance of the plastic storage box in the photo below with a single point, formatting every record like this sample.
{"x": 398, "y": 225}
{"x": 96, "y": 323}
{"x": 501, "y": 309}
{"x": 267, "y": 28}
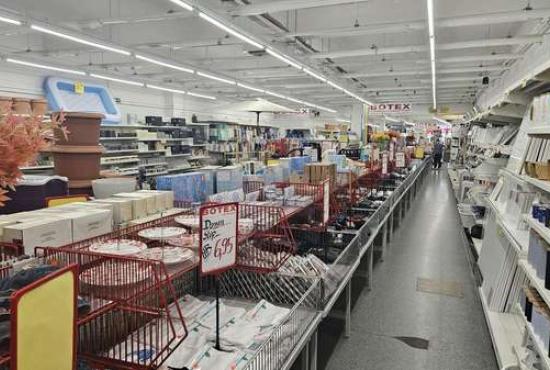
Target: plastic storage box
{"x": 32, "y": 191}
{"x": 186, "y": 187}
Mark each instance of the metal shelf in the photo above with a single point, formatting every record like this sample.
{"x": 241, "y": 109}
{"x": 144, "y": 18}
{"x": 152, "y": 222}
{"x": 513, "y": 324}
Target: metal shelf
{"x": 543, "y": 231}
{"x": 125, "y": 138}
{"x": 178, "y": 155}
{"x": 518, "y": 239}
{"x": 506, "y": 333}
{"x": 542, "y": 130}
{"x": 36, "y": 168}
{"x": 535, "y": 281}
{"x": 154, "y": 164}
{"x": 543, "y": 185}
{"x": 120, "y": 151}
{"x": 536, "y": 340}
{"x": 120, "y": 162}
{"x": 152, "y": 152}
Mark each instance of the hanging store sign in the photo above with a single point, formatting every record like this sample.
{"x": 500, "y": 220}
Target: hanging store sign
{"x": 390, "y": 108}
{"x": 218, "y": 237}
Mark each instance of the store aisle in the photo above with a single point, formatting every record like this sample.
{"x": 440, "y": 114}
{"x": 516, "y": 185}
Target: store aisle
{"x": 428, "y": 245}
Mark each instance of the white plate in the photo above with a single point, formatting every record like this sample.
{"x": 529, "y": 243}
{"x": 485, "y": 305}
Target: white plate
{"x": 111, "y": 274}
{"x": 188, "y": 220}
{"x": 185, "y": 241}
{"x": 120, "y": 247}
{"x": 168, "y": 255}
{"x": 156, "y": 233}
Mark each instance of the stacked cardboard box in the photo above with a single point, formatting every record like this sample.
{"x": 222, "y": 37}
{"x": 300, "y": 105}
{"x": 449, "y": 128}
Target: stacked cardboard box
{"x": 318, "y": 172}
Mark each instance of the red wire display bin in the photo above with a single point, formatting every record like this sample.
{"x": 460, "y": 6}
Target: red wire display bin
{"x": 347, "y": 190}
{"x": 265, "y": 239}
{"x": 134, "y": 317}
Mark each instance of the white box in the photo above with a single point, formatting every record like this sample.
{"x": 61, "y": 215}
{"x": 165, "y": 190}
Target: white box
{"x": 165, "y": 198}
{"x": 85, "y": 223}
{"x": 149, "y": 199}
{"x": 123, "y": 209}
{"x": 47, "y": 232}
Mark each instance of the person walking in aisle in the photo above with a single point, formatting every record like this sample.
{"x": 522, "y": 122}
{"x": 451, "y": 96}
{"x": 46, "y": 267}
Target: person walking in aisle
{"x": 438, "y": 154}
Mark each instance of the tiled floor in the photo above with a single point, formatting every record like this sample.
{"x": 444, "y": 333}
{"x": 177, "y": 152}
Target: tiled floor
{"x": 428, "y": 245}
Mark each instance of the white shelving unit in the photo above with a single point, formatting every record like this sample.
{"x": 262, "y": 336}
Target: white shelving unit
{"x": 506, "y": 333}
{"x": 535, "y": 281}
{"x": 536, "y": 340}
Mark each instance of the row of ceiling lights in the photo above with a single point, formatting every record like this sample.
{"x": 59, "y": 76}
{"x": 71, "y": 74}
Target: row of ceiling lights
{"x": 284, "y": 58}
{"x": 53, "y": 32}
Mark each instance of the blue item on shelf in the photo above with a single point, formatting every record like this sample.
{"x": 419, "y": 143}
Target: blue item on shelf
{"x": 229, "y": 178}
{"x": 61, "y": 95}
{"x": 272, "y": 173}
{"x": 186, "y": 187}
{"x": 210, "y": 179}
{"x": 340, "y": 160}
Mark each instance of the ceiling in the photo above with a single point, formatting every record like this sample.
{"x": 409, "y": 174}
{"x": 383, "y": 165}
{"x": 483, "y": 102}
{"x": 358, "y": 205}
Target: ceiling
{"x": 376, "y": 49}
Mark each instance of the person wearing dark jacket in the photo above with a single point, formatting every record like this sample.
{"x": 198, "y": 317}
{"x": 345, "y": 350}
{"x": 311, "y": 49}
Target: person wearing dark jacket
{"x": 438, "y": 154}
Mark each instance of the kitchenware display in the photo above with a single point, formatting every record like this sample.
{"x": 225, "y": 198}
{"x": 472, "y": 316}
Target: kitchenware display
{"x": 157, "y": 233}
{"x": 119, "y": 247}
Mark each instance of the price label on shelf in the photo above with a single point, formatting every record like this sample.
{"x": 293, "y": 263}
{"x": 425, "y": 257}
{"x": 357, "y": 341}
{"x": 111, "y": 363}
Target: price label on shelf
{"x": 218, "y": 237}
{"x": 400, "y": 160}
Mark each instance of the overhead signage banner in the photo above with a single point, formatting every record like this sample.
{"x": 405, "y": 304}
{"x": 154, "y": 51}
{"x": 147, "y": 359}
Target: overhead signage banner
{"x": 390, "y": 108}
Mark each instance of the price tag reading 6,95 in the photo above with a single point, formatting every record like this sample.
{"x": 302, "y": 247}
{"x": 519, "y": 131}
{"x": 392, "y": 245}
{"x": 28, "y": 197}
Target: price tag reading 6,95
{"x": 218, "y": 237}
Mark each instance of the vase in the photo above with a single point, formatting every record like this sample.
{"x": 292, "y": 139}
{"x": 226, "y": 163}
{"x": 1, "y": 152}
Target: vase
{"x": 22, "y": 106}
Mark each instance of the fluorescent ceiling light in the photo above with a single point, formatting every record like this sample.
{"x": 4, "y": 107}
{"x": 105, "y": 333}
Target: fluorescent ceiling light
{"x": 325, "y": 109}
{"x": 343, "y": 120}
{"x": 336, "y": 86}
{"x": 295, "y": 100}
{"x": 315, "y": 75}
{"x": 283, "y": 58}
{"x": 42, "y": 66}
{"x": 431, "y": 32}
{"x": 127, "y": 82}
{"x": 250, "y": 87}
{"x": 224, "y": 80}
{"x": 201, "y": 96}
{"x": 79, "y": 40}
{"x": 275, "y": 94}
{"x": 10, "y": 21}
{"x": 182, "y": 4}
{"x": 176, "y": 91}
{"x": 229, "y": 30}
{"x": 164, "y": 64}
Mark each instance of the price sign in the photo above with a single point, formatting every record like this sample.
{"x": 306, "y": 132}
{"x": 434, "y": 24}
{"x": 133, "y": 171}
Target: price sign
{"x": 384, "y": 163}
{"x": 79, "y": 88}
{"x": 400, "y": 160}
{"x": 218, "y": 237}
{"x": 391, "y": 150}
{"x": 326, "y": 201}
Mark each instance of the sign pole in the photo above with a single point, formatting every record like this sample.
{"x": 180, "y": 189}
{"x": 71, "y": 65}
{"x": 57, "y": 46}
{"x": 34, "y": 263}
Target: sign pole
{"x": 217, "y": 283}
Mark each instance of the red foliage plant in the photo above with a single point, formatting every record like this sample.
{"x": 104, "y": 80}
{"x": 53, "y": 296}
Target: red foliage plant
{"x": 22, "y": 137}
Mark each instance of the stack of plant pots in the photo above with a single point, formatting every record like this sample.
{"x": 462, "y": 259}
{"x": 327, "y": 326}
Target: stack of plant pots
{"x": 78, "y": 156}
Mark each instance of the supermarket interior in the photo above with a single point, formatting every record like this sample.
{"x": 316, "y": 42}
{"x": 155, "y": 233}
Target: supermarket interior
{"x": 274, "y": 185}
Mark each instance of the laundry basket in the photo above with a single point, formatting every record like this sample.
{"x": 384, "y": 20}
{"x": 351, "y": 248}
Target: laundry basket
{"x": 466, "y": 215}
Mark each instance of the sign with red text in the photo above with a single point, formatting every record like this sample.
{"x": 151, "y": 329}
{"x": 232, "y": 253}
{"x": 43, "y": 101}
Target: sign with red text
{"x": 218, "y": 237}
{"x": 390, "y": 108}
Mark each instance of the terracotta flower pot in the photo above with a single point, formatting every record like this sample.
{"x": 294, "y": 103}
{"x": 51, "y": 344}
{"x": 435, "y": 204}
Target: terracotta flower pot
{"x": 6, "y": 104}
{"x": 39, "y": 107}
{"x": 83, "y": 129}
{"x": 22, "y": 106}
{"x": 77, "y": 162}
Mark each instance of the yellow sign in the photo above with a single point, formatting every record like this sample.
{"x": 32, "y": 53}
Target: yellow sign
{"x": 55, "y": 298}
{"x": 79, "y": 87}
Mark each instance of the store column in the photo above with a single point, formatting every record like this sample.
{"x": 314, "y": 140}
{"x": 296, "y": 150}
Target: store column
{"x": 358, "y": 120}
